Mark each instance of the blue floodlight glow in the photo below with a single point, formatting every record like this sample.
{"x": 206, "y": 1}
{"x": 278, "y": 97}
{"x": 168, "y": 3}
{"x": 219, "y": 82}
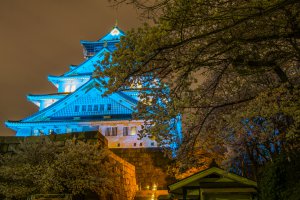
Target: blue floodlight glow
{"x": 80, "y": 105}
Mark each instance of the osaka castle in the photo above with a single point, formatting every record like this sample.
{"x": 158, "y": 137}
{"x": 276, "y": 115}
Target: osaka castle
{"x": 79, "y": 104}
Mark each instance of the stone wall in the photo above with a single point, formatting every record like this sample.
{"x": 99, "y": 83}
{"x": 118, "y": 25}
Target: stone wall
{"x": 127, "y": 189}
{"x": 150, "y": 166}
{"x": 142, "y": 169}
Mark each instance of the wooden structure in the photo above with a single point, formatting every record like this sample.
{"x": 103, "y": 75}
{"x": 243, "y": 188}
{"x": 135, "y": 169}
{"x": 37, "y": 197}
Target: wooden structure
{"x": 213, "y": 183}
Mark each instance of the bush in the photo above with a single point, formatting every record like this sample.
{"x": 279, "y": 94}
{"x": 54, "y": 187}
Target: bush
{"x": 46, "y": 167}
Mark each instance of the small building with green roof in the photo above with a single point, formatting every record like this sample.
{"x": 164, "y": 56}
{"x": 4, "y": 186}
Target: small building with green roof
{"x": 213, "y": 183}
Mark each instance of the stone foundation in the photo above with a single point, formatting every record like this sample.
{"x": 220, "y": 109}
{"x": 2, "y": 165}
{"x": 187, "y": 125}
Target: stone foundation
{"x": 150, "y": 166}
{"x": 143, "y": 170}
{"x": 126, "y": 182}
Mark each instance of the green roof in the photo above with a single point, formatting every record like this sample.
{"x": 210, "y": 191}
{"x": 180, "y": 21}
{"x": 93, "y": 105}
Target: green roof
{"x": 204, "y": 177}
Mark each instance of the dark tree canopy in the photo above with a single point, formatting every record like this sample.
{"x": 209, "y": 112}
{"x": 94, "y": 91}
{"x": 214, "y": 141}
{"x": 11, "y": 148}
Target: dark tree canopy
{"x": 46, "y": 167}
{"x": 211, "y": 61}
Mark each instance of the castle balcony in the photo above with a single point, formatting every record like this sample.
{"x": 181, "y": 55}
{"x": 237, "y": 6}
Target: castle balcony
{"x": 45, "y": 100}
{"x": 109, "y": 41}
{"x": 68, "y": 83}
{"x": 92, "y": 48}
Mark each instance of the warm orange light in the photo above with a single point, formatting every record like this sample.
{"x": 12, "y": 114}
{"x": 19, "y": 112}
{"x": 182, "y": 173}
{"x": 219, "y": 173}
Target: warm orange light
{"x": 154, "y": 187}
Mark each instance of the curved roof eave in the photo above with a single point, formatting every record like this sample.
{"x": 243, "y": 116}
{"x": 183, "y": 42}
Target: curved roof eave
{"x": 64, "y": 78}
{"x": 36, "y": 97}
{"x": 88, "y": 60}
{"x": 109, "y": 37}
{"x": 90, "y": 84}
{"x": 16, "y": 124}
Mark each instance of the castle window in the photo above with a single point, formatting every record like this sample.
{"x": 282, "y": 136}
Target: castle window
{"x": 67, "y": 88}
{"x": 141, "y": 144}
{"x": 114, "y": 131}
{"x": 90, "y": 107}
{"x": 73, "y": 88}
{"x": 95, "y": 107}
{"x": 83, "y": 108}
{"x": 152, "y": 144}
{"x": 35, "y": 132}
{"x": 101, "y": 107}
{"x": 107, "y": 131}
{"x": 76, "y": 108}
{"x": 119, "y": 145}
{"x": 133, "y": 130}
{"x": 41, "y": 132}
{"x": 134, "y": 144}
{"x": 125, "y": 131}
{"x": 69, "y": 130}
{"x": 108, "y": 106}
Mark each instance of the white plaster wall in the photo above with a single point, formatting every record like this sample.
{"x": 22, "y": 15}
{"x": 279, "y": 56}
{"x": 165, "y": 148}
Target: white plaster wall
{"x": 130, "y": 141}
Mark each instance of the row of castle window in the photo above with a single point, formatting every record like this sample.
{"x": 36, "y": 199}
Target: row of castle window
{"x": 70, "y": 88}
{"x": 94, "y": 108}
{"x": 135, "y": 144}
{"x": 113, "y": 131}
{"x": 109, "y": 131}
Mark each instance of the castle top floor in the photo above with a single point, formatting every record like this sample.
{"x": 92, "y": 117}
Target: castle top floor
{"x": 90, "y": 48}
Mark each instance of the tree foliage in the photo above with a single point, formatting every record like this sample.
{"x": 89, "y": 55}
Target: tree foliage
{"x": 46, "y": 167}
{"x": 258, "y": 133}
{"x": 280, "y": 179}
{"x": 211, "y": 59}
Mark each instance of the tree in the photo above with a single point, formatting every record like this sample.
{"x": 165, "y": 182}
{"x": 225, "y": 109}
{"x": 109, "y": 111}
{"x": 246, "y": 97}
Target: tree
{"x": 80, "y": 168}
{"x": 20, "y": 172}
{"x": 280, "y": 179}
{"x": 206, "y": 60}
{"x": 45, "y": 167}
{"x": 266, "y": 128}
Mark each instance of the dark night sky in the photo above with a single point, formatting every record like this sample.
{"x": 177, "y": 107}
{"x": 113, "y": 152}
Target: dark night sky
{"x": 41, "y": 37}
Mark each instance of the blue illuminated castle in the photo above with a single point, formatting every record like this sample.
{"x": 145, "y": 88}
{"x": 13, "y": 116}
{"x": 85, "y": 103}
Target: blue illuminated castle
{"x": 79, "y": 106}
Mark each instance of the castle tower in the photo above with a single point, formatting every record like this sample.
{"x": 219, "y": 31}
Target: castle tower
{"x": 79, "y": 106}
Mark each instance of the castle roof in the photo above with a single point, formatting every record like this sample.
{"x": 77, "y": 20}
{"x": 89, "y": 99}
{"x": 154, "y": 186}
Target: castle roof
{"x": 213, "y": 178}
{"x": 38, "y": 97}
{"x": 92, "y": 89}
{"x": 88, "y": 66}
{"x": 108, "y": 41}
{"x": 80, "y": 98}
{"x": 113, "y": 36}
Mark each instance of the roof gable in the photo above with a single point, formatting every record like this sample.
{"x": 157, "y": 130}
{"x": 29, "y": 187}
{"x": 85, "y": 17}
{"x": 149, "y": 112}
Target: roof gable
{"x": 212, "y": 175}
{"x": 90, "y": 94}
{"x": 115, "y": 34}
{"x": 92, "y": 104}
{"x": 88, "y": 66}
